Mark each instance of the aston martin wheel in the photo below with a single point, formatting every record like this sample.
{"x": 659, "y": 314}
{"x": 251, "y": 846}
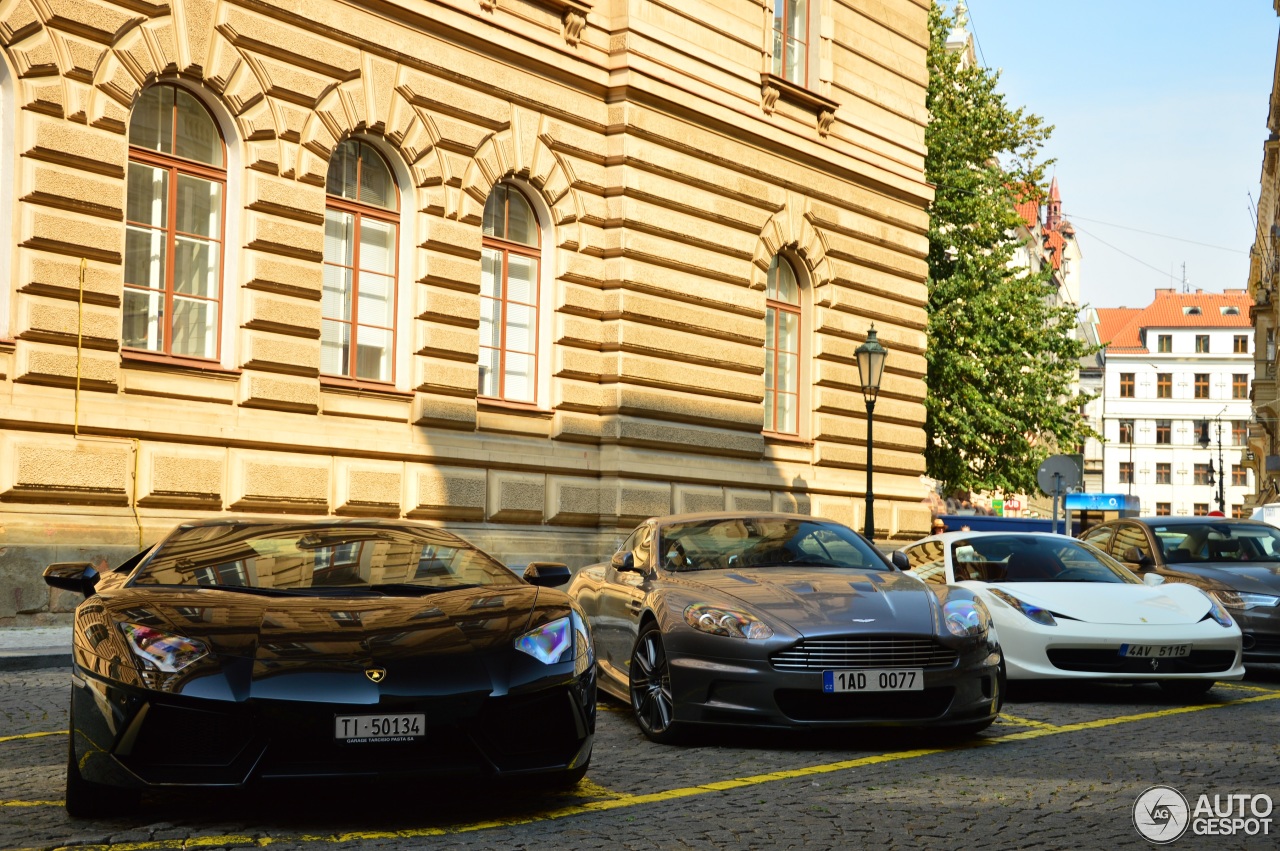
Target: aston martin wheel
{"x": 1186, "y": 689}
{"x": 651, "y": 699}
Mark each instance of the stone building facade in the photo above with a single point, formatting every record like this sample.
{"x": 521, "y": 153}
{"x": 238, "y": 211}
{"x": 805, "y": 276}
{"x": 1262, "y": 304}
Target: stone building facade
{"x": 534, "y": 268}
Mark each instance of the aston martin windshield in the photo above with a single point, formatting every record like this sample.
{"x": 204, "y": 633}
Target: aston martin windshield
{"x": 741, "y": 542}
{"x": 1031, "y": 558}
{"x": 303, "y": 558}
{"x": 1188, "y": 543}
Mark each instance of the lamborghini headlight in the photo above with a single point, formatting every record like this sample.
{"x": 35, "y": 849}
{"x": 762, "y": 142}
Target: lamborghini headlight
{"x": 550, "y": 643}
{"x": 966, "y": 617}
{"x": 1035, "y": 613}
{"x": 162, "y": 651}
{"x": 718, "y": 620}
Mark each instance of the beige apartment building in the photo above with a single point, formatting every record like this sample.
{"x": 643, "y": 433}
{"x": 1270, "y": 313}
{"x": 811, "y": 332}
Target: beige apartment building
{"x": 536, "y": 269}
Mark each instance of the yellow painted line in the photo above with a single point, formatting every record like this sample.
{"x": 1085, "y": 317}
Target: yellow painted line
{"x": 626, "y": 801}
{"x": 1024, "y": 722}
{"x": 1241, "y": 687}
{"x": 32, "y": 736}
{"x": 31, "y": 803}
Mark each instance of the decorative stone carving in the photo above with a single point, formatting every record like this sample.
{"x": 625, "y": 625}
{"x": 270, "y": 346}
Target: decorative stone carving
{"x": 572, "y": 25}
{"x": 826, "y": 118}
{"x": 768, "y": 97}
{"x": 488, "y": 5}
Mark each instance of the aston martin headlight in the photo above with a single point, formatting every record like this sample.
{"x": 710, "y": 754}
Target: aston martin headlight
{"x": 162, "y": 651}
{"x": 718, "y": 620}
{"x": 550, "y": 643}
{"x": 1242, "y": 600}
{"x": 1218, "y": 613}
{"x": 966, "y": 617}
{"x": 1035, "y": 613}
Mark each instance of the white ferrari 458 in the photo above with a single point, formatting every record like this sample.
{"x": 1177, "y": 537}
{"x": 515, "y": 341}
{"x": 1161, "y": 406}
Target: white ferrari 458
{"x": 1064, "y": 609}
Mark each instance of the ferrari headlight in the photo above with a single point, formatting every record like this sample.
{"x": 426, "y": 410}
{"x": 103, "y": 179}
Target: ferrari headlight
{"x": 718, "y": 620}
{"x": 162, "y": 651}
{"x": 550, "y": 643}
{"x": 1218, "y": 613}
{"x": 1035, "y": 613}
{"x": 1242, "y": 600}
{"x": 966, "y": 617}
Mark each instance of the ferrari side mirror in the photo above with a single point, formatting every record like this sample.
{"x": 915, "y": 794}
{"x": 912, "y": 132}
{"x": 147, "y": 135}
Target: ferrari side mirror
{"x": 548, "y": 574}
{"x": 900, "y": 560}
{"x": 1152, "y": 579}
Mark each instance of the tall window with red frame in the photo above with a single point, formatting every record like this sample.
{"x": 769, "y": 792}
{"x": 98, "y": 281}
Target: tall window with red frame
{"x": 791, "y": 40}
{"x": 782, "y": 349}
{"x": 358, "y": 306}
{"x": 174, "y": 214}
{"x": 509, "y": 261}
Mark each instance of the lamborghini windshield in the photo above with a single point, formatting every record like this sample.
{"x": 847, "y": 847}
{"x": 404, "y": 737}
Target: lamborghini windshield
{"x": 298, "y": 557}
{"x": 727, "y": 543}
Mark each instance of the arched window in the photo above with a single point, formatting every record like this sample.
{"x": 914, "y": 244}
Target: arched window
{"x": 174, "y": 223}
{"x": 357, "y": 335}
{"x": 782, "y": 349}
{"x": 509, "y": 297}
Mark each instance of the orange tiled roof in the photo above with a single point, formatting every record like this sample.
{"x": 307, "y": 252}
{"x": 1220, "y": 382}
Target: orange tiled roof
{"x": 1053, "y": 243}
{"x": 1119, "y": 328}
{"x": 1030, "y": 212}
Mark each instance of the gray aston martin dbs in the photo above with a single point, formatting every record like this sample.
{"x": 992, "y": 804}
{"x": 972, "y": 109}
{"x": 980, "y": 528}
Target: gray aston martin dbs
{"x": 780, "y": 620}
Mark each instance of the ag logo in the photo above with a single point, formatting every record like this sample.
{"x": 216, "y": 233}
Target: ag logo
{"x": 1161, "y": 814}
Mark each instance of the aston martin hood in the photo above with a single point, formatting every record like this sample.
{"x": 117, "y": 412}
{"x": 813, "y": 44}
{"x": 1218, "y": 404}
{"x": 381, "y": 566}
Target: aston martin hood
{"x": 824, "y": 601}
{"x": 1113, "y": 603}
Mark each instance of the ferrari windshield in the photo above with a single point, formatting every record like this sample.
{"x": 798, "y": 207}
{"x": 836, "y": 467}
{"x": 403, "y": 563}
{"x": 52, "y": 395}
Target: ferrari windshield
{"x": 739, "y": 542}
{"x": 299, "y": 557}
{"x": 1187, "y": 543}
{"x": 1033, "y": 558}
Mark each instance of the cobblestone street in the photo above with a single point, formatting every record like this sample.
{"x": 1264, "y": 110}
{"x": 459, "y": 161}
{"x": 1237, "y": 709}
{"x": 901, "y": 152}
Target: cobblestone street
{"x": 1060, "y": 770}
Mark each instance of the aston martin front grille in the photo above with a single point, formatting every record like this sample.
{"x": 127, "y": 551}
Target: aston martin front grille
{"x": 827, "y": 654}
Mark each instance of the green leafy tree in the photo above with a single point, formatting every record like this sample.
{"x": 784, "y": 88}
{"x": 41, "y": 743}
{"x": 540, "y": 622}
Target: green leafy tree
{"x": 1002, "y": 356}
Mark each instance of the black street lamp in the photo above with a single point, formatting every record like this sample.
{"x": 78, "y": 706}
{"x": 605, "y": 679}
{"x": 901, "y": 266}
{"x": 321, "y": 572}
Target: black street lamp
{"x": 871, "y": 356}
{"x": 1221, "y": 472}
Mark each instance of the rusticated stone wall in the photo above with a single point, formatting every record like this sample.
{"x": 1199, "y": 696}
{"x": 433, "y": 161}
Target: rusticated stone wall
{"x": 667, "y": 168}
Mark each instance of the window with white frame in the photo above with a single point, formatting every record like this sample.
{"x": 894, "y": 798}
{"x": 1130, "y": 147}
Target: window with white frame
{"x": 791, "y": 40}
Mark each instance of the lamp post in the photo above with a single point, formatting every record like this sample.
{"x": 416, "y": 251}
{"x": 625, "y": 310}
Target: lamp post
{"x": 1221, "y": 471}
{"x": 871, "y": 357}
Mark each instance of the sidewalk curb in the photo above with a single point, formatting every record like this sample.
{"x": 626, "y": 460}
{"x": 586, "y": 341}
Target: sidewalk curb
{"x": 27, "y": 661}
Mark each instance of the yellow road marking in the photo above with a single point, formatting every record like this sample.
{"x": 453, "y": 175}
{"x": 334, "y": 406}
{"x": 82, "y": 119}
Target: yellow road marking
{"x": 31, "y": 803}
{"x": 1023, "y": 722}
{"x": 32, "y": 735}
{"x": 625, "y": 801}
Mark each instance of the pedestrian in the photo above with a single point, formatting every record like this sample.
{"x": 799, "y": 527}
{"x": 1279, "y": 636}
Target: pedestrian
{"x": 938, "y": 526}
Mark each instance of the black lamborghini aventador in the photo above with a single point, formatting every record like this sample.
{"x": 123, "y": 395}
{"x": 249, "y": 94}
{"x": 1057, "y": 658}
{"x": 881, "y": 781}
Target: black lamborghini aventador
{"x": 245, "y": 650}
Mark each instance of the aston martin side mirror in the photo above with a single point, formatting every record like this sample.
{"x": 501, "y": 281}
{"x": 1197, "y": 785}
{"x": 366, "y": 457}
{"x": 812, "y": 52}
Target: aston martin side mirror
{"x": 623, "y": 560}
{"x": 900, "y": 560}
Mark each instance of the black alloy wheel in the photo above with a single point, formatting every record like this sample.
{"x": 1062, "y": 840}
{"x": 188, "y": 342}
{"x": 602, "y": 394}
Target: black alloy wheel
{"x": 651, "y": 699}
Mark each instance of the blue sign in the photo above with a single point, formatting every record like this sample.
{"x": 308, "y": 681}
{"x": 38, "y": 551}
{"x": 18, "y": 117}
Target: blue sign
{"x": 1101, "y": 502}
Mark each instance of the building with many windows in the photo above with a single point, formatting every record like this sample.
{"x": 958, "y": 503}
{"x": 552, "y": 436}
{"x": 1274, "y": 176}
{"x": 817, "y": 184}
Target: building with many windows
{"x": 1176, "y": 408}
{"x": 536, "y": 268}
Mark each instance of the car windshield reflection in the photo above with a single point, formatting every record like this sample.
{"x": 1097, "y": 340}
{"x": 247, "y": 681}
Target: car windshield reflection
{"x": 1029, "y": 558}
{"x": 744, "y": 542}
{"x": 287, "y": 559}
{"x": 1189, "y": 543}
